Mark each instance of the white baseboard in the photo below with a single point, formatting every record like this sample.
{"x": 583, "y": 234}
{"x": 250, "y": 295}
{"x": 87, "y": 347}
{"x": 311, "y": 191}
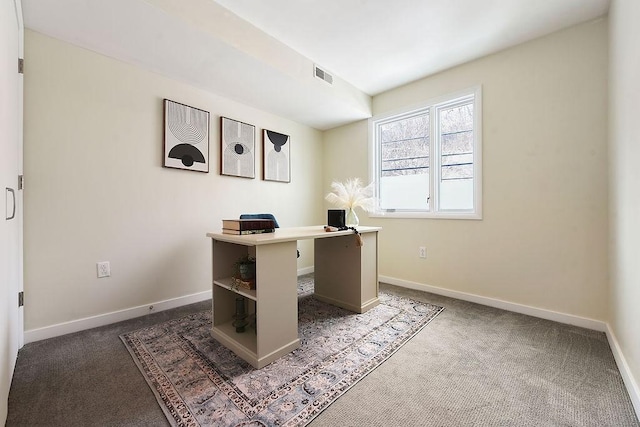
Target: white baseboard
{"x": 629, "y": 381}
{"x": 113, "y": 317}
{"x": 56, "y": 330}
{"x": 569, "y": 319}
{"x": 306, "y": 270}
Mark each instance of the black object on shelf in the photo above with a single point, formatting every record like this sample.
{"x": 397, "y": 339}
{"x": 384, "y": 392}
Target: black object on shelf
{"x": 240, "y": 318}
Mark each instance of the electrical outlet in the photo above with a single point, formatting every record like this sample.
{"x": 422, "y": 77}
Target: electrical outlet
{"x": 422, "y": 252}
{"x": 104, "y": 269}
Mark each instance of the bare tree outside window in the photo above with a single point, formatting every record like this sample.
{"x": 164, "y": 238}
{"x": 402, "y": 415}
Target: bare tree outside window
{"x": 405, "y": 146}
{"x": 456, "y": 140}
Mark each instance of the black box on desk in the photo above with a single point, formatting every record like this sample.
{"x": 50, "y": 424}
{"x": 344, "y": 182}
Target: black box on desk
{"x": 335, "y": 217}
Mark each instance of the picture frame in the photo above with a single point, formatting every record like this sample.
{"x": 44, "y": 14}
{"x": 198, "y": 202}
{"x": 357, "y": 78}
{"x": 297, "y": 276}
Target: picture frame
{"x": 276, "y": 156}
{"x": 186, "y": 137}
{"x": 237, "y": 148}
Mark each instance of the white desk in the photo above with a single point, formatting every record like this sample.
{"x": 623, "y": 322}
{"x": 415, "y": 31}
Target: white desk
{"x": 346, "y": 275}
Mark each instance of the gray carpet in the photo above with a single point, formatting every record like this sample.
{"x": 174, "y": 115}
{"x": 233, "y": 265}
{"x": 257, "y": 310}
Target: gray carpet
{"x": 473, "y": 366}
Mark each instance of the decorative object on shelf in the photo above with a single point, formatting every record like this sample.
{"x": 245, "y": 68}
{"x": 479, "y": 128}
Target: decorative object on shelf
{"x": 241, "y": 284}
{"x": 237, "y": 148}
{"x": 351, "y": 195}
{"x": 186, "y": 137}
{"x": 240, "y": 318}
{"x": 245, "y": 268}
{"x": 276, "y": 160}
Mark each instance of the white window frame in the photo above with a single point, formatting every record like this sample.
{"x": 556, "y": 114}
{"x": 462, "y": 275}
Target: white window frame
{"x": 433, "y": 106}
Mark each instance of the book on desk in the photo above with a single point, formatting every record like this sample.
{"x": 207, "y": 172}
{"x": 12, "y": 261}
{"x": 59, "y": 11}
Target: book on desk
{"x": 244, "y": 232}
{"x": 247, "y": 226}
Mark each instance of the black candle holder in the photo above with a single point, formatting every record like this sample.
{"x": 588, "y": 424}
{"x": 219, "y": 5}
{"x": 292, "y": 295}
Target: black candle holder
{"x": 240, "y": 318}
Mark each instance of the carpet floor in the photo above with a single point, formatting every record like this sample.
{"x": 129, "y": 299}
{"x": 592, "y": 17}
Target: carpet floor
{"x": 472, "y": 366}
{"x": 199, "y": 382}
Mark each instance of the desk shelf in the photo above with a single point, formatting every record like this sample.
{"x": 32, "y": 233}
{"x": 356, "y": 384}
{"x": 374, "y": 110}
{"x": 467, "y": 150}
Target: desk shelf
{"x": 244, "y": 344}
{"x": 227, "y": 283}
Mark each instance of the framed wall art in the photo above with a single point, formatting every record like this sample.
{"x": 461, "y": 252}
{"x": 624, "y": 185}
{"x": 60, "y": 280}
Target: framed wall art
{"x": 237, "y": 148}
{"x": 186, "y": 137}
{"x": 276, "y": 159}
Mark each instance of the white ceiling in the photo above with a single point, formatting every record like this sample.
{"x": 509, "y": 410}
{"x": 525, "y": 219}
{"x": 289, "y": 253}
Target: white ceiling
{"x": 377, "y": 45}
{"x": 262, "y": 52}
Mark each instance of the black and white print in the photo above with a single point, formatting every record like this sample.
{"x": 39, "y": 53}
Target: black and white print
{"x": 186, "y": 137}
{"x": 238, "y": 148}
{"x": 276, "y": 165}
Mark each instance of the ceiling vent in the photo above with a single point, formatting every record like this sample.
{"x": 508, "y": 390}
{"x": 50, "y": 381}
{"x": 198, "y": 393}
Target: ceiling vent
{"x": 322, "y": 75}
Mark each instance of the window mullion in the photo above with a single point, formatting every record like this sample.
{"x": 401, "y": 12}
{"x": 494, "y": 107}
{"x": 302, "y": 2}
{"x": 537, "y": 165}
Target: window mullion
{"x": 434, "y": 149}
{"x": 378, "y": 160}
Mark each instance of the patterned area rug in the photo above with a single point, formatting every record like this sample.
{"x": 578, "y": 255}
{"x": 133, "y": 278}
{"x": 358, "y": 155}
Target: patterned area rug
{"x": 199, "y": 382}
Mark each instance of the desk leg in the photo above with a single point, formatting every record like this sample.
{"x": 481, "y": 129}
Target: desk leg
{"x": 276, "y": 302}
{"x": 346, "y": 275}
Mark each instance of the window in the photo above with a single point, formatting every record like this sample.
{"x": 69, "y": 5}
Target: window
{"x": 427, "y": 160}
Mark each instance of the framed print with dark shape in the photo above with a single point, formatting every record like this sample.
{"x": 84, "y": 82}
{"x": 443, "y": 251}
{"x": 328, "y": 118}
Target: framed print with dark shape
{"x": 186, "y": 137}
{"x": 276, "y": 159}
{"x": 237, "y": 148}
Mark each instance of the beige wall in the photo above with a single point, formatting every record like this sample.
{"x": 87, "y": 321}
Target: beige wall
{"x": 97, "y": 192}
{"x": 625, "y": 182}
{"x": 542, "y": 241}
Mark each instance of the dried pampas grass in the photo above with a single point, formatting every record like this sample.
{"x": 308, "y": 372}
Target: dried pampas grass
{"x": 352, "y": 194}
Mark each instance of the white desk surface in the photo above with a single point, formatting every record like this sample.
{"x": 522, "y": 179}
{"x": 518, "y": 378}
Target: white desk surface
{"x": 287, "y": 234}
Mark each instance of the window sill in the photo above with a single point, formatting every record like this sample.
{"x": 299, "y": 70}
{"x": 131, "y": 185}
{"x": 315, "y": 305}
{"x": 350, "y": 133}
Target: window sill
{"x": 427, "y": 215}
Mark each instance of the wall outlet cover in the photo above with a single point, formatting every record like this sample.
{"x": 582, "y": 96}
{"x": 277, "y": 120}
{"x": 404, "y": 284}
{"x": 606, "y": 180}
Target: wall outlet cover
{"x": 104, "y": 269}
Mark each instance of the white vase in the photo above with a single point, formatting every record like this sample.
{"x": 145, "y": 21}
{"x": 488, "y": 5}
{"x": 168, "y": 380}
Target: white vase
{"x": 351, "y": 220}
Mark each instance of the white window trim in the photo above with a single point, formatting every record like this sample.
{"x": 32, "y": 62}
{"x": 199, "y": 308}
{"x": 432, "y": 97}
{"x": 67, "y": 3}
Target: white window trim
{"x": 433, "y": 105}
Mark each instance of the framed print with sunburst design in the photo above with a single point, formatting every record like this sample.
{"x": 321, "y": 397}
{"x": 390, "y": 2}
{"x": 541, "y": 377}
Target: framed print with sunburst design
{"x": 186, "y": 137}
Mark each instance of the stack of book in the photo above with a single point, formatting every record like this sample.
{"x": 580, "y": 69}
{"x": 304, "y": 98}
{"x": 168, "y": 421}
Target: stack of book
{"x": 247, "y": 226}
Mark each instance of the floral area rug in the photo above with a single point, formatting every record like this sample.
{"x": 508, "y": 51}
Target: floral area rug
{"x": 199, "y": 382}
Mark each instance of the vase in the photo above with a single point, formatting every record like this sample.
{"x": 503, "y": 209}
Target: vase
{"x": 247, "y": 271}
{"x": 351, "y": 220}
